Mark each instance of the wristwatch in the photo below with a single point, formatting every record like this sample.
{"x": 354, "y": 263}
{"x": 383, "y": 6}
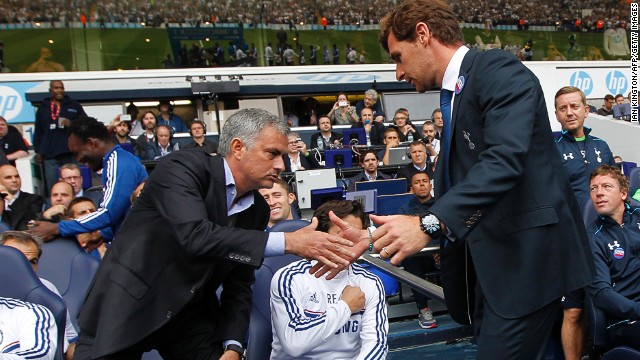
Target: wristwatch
{"x": 430, "y": 225}
{"x": 236, "y": 348}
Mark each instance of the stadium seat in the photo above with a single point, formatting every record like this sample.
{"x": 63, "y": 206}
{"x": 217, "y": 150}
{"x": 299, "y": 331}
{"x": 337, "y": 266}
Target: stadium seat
{"x": 260, "y": 334}
{"x": 600, "y": 338}
{"x": 18, "y": 281}
{"x": 70, "y": 269}
{"x": 589, "y": 213}
{"x": 634, "y": 185}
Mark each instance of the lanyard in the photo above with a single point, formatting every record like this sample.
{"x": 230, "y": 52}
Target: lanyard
{"x": 54, "y": 115}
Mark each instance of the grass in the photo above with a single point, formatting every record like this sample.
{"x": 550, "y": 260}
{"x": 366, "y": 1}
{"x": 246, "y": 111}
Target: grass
{"x": 146, "y": 48}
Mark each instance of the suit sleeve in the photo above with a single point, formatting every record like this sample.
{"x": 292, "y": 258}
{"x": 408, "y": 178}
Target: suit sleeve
{"x": 604, "y": 296}
{"x": 298, "y": 332}
{"x": 235, "y": 301}
{"x": 508, "y": 97}
{"x": 182, "y": 180}
{"x": 375, "y": 324}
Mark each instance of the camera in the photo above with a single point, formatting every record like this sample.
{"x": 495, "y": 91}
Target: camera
{"x": 126, "y": 117}
{"x": 343, "y": 103}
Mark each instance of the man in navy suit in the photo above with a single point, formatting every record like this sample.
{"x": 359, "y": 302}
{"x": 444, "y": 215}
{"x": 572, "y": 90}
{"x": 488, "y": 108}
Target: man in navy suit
{"x": 501, "y": 193}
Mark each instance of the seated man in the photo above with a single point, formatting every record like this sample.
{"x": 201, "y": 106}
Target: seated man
{"x": 27, "y": 330}
{"x": 374, "y": 130}
{"x": 369, "y": 162}
{"x": 607, "y": 107}
{"x": 91, "y": 242}
{"x": 61, "y": 195}
{"x": 342, "y": 318}
{"x": 279, "y": 198}
{"x": 162, "y": 146}
{"x": 615, "y": 238}
{"x": 419, "y": 163}
{"x": 371, "y": 102}
{"x": 420, "y": 265}
{"x": 71, "y": 173}
{"x": 429, "y": 132}
{"x": 298, "y": 158}
{"x": 325, "y": 137}
{"x": 391, "y": 140}
{"x": 198, "y": 129}
{"x": 32, "y": 250}
{"x": 19, "y": 207}
{"x": 11, "y": 142}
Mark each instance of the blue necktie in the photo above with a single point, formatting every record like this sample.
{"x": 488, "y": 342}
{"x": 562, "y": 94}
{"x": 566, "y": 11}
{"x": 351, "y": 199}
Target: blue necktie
{"x": 445, "y": 106}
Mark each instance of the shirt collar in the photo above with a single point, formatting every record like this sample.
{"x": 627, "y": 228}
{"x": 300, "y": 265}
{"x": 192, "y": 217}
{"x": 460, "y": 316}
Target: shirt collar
{"x": 453, "y": 69}
{"x": 243, "y": 202}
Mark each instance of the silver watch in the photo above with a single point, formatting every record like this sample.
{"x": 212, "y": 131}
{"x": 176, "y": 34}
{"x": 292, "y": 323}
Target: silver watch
{"x": 430, "y": 225}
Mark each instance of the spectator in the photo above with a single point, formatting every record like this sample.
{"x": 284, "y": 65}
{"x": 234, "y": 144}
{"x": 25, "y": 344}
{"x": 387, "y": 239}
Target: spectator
{"x": 342, "y": 113}
{"x": 419, "y": 162}
{"x": 374, "y": 130}
{"x": 325, "y": 138}
{"x": 149, "y": 135}
{"x": 54, "y": 115}
{"x": 436, "y": 117}
{"x": 607, "y": 108}
{"x": 406, "y": 130}
{"x": 162, "y": 146}
{"x": 296, "y": 157}
{"x": 316, "y": 318}
{"x": 197, "y": 130}
{"x": 19, "y": 207}
{"x": 136, "y": 124}
{"x": 619, "y": 99}
{"x": 429, "y": 133}
{"x": 60, "y": 198}
{"x": 268, "y": 55}
{"x": 91, "y": 242}
{"x": 120, "y": 129}
{"x": 11, "y": 142}
{"x": 391, "y": 140}
{"x": 370, "y": 101}
{"x": 336, "y": 55}
{"x": 369, "y": 161}
{"x": 71, "y": 173}
{"x": 167, "y": 117}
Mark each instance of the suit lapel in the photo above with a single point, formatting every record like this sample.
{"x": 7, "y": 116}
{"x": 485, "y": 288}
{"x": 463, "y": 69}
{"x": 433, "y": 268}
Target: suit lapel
{"x": 464, "y": 74}
{"x": 217, "y": 170}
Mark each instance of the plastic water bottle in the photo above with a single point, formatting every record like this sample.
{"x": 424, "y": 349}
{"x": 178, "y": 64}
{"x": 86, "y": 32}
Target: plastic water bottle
{"x": 320, "y": 143}
{"x": 410, "y": 136}
{"x": 368, "y": 140}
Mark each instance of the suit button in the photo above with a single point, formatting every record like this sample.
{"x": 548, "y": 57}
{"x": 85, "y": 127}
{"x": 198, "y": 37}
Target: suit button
{"x": 248, "y": 258}
{"x": 231, "y": 255}
{"x": 193, "y": 290}
{"x": 169, "y": 314}
{"x": 468, "y": 223}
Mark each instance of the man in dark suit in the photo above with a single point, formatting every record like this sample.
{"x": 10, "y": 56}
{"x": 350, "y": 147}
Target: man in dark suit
{"x": 198, "y": 224}
{"x": 369, "y": 162}
{"x": 501, "y": 193}
{"x": 325, "y": 135}
{"x": 20, "y": 207}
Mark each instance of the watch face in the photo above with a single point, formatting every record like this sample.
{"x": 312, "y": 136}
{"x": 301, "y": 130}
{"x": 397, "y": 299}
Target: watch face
{"x": 431, "y": 223}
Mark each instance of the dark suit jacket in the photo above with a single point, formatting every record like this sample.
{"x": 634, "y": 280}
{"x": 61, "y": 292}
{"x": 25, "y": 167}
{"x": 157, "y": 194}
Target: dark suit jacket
{"x": 510, "y": 201}
{"x": 314, "y": 139}
{"x": 361, "y": 177}
{"x": 376, "y": 136}
{"x": 177, "y": 245}
{"x": 25, "y": 208}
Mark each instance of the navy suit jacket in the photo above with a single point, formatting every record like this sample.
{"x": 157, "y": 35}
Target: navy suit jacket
{"x": 177, "y": 245}
{"x": 510, "y": 203}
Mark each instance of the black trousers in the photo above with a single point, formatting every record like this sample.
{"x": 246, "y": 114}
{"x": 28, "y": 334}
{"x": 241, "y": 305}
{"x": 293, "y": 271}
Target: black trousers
{"x": 626, "y": 334}
{"x": 520, "y": 338}
{"x": 189, "y": 335}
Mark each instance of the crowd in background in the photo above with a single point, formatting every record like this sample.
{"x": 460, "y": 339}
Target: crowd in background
{"x": 293, "y": 12}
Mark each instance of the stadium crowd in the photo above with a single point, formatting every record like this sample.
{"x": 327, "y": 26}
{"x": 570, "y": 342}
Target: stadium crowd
{"x": 584, "y": 14}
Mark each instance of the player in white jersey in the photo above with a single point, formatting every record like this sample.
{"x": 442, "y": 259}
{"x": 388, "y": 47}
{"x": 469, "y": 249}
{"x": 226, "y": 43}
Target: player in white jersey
{"x": 615, "y": 42}
{"x": 342, "y": 318}
{"x": 27, "y": 331}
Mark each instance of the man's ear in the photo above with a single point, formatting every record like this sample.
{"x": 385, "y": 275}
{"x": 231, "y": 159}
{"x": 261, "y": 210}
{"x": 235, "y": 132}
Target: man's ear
{"x": 237, "y": 147}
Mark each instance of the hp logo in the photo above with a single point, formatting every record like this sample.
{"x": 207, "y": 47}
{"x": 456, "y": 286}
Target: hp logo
{"x": 10, "y": 102}
{"x": 582, "y": 81}
{"x": 617, "y": 82}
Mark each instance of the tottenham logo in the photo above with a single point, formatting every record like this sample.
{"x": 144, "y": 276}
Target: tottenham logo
{"x": 615, "y": 245}
{"x": 568, "y": 156}
{"x": 597, "y": 154}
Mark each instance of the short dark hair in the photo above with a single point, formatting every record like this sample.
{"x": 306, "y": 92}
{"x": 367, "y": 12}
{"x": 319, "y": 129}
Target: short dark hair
{"x": 608, "y": 97}
{"x": 86, "y": 127}
{"x": 79, "y": 199}
{"x": 366, "y": 152}
{"x": 437, "y": 14}
{"x": 342, "y": 208}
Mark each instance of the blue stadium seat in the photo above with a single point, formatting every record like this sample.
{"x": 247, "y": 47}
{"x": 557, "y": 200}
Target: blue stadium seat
{"x": 260, "y": 334}
{"x": 18, "y": 281}
{"x": 589, "y": 213}
{"x": 70, "y": 269}
{"x": 600, "y": 338}
{"x": 634, "y": 185}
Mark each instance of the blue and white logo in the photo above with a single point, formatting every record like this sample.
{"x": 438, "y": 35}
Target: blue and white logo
{"x": 10, "y": 102}
{"x": 582, "y": 81}
{"x": 617, "y": 82}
